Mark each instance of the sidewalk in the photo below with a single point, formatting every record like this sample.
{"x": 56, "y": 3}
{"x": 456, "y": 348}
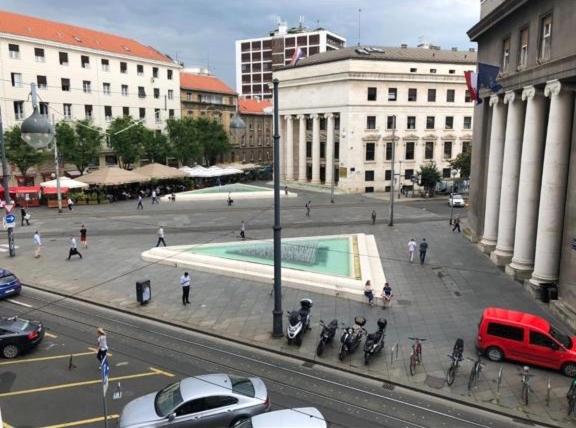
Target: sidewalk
{"x": 440, "y": 301}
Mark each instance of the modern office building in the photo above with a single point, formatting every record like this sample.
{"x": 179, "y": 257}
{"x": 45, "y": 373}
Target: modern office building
{"x": 344, "y": 111}
{"x": 257, "y": 58}
{"x": 523, "y": 184}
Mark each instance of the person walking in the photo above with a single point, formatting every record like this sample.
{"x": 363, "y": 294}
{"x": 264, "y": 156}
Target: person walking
{"x": 160, "y": 237}
{"x": 154, "y": 197}
{"x": 423, "y": 249}
{"x": 37, "y": 244}
{"x": 369, "y": 292}
{"x": 73, "y": 248}
{"x": 412, "y": 249}
{"x": 373, "y": 216}
{"x": 185, "y": 283}
{"x": 70, "y": 204}
{"x": 308, "y": 208}
{"x": 285, "y": 190}
{"x": 25, "y": 217}
{"x": 140, "y": 205}
{"x": 242, "y": 230}
{"x": 456, "y": 224}
{"x": 83, "y": 240}
{"x": 102, "y": 345}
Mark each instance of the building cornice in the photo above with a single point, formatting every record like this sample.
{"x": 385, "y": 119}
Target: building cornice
{"x": 494, "y": 17}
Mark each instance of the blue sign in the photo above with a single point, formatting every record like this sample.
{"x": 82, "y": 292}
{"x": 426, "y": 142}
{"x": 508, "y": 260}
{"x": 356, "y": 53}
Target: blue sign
{"x": 10, "y": 218}
{"x": 105, "y": 369}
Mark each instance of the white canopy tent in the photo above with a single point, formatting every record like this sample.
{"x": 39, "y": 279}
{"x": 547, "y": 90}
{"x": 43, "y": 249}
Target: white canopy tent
{"x": 214, "y": 171}
{"x": 65, "y": 182}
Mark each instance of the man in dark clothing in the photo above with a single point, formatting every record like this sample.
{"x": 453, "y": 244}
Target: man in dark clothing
{"x": 73, "y": 248}
{"x": 25, "y": 217}
{"x": 423, "y": 249}
{"x": 373, "y": 216}
{"x": 456, "y": 224}
{"x": 185, "y": 284}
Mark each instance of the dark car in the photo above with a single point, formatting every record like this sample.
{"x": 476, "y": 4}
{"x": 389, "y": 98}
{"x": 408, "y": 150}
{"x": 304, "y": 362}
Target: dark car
{"x": 18, "y": 335}
{"x": 9, "y": 284}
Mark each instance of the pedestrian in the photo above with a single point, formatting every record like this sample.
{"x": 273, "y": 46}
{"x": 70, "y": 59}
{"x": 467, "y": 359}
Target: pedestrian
{"x": 140, "y": 205}
{"x": 308, "y": 208}
{"x": 70, "y": 204}
{"x": 373, "y": 216}
{"x": 154, "y": 200}
{"x": 83, "y": 239}
{"x": 369, "y": 292}
{"x": 73, "y": 248}
{"x": 102, "y": 345}
{"x": 286, "y": 190}
{"x": 173, "y": 197}
{"x": 37, "y": 244}
{"x": 423, "y": 249}
{"x": 230, "y": 200}
{"x": 386, "y": 295}
{"x": 242, "y": 230}
{"x": 456, "y": 224}
{"x": 185, "y": 283}
{"x": 161, "y": 237}
{"x": 25, "y": 217}
{"x": 412, "y": 249}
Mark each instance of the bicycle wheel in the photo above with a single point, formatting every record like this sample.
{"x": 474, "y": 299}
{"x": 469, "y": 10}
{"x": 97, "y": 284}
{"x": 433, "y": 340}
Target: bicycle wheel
{"x": 525, "y": 393}
{"x": 412, "y": 364}
{"x": 472, "y": 379}
{"x": 451, "y": 375}
{"x": 571, "y": 405}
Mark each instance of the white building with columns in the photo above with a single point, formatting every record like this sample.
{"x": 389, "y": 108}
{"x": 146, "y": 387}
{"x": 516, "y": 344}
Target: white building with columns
{"x": 338, "y": 108}
{"x": 523, "y": 183}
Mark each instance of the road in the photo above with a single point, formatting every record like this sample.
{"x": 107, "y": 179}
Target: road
{"x": 47, "y": 388}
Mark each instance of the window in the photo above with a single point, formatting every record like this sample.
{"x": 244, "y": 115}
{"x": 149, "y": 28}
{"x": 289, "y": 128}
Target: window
{"x": 413, "y": 70}
{"x": 14, "y": 51}
{"x": 429, "y": 150}
{"x": 42, "y": 82}
{"x": 392, "y": 94}
{"x": 371, "y": 122}
{"x": 142, "y": 113}
{"x": 63, "y": 57}
{"x": 430, "y": 122}
{"x": 409, "y": 151}
{"x": 467, "y": 97}
{"x": 412, "y": 94}
{"x": 125, "y": 111}
{"x": 205, "y": 404}
{"x": 39, "y": 54}
{"x": 170, "y": 94}
{"x": 140, "y": 70}
{"x": 505, "y": 55}
{"x": 88, "y": 112}
{"x": 65, "y": 84}
{"x": 545, "y": 38}
{"x": 171, "y": 113}
{"x": 408, "y": 174}
{"x": 431, "y": 95}
{"x": 44, "y": 108}
{"x": 156, "y": 93}
{"x": 67, "y": 111}
{"x": 411, "y": 122}
{"x": 446, "y": 173}
{"x": 388, "y": 175}
{"x": 467, "y": 122}
{"x": 447, "y": 149}
{"x": 141, "y": 92}
{"x": 155, "y": 72}
{"x": 19, "y": 110}
{"x": 523, "y": 54}
{"x": 169, "y": 74}
{"x": 106, "y": 88}
{"x": 450, "y": 95}
{"x": 372, "y": 94}
{"x": 433, "y": 70}
{"x": 390, "y": 122}
{"x": 506, "y": 331}
{"x": 85, "y": 61}
{"x": 124, "y": 90}
{"x": 451, "y": 71}
{"x": 16, "y": 80}
{"x": 449, "y": 123}
{"x": 368, "y": 175}
{"x": 87, "y": 86}
{"x": 370, "y": 151}
{"x": 369, "y": 189}
{"x": 108, "y": 113}
{"x": 540, "y": 339}
{"x": 465, "y": 146}
{"x": 105, "y": 65}
{"x": 123, "y": 68}
{"x": 388, "y": 151}
{"x": 157, "y": 115}
{"x": 308, "y": 149}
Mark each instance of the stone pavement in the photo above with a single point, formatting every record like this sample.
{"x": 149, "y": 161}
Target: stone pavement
{"x": 440, "y": 301}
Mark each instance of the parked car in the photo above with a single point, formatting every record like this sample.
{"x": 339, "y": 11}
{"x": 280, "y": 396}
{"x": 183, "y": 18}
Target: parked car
{"x": 18, "y": 335}
{"x": 456, "y": 200}
{"x": 214, "y": 400}
{"x": 304, "y": 417}
{"x": 525, "y": 338}
{"x": 9, "y": 284}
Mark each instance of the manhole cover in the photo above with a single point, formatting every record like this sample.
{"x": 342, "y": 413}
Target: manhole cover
{"x": 404, "y": 302}
{"x": 308, "y": 364}
{"x": 434, "y": 382}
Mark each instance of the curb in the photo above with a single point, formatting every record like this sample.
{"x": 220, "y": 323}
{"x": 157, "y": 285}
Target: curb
{"x": 495, "y": 410}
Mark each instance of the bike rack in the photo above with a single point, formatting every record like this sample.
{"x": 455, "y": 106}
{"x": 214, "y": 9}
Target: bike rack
{"x": 394, "y": 353}
{"x": 548, "y": 388}
{"x": 499, "y": 381}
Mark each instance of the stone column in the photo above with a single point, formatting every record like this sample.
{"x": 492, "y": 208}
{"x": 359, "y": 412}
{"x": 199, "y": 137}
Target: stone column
{"x": 289, "y": 148}
{"x": 329, "y": 149}
{"x": 494, "y": 181}
{"x": 510, "y": 175}
{"x": 529, "y": 184}
{"x": 302, "y": 148}
{"x": 315, "y": 149}
{"x": 554, "y": 181}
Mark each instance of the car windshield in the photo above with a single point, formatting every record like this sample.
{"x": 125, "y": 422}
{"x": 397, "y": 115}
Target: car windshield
{"x": 7, "y": 279}
{"x": 242, "y": 385}
{"x": 562, "y": 338}
{"x": 16, "y": 324}
{"x": 168, "y": 399}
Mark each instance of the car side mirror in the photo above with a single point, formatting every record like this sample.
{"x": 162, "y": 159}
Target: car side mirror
{"x": 171, "y": 417}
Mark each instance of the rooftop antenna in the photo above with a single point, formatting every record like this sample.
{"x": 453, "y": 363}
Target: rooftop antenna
{"x": 359, "y": 25}
{"x": 301, "y": 21}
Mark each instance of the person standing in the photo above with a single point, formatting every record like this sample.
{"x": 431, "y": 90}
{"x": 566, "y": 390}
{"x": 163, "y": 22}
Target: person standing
{"x": 70, "y": 204}
{"x": 423, "y": 249}
{"x": 37, "y": 244}
{"x": 154, "y": 200}
{"x": 73, "y": 248}
{"x": 25, "y": 217}
{"x": 373, "y": 216}
{"x": 285, "y": 190}
{"x": 140, "y": 205}
{"x": 369, "y": 292}
{"x": 412, "y": 249}
{"x": 185, "y": 283}
{"x": 161, "y": 237}
{"x": 83, "y": 239}
{"x": 308, "y": 208}
{"x": 242, "y": 230}
{"x": 456, "y": 224}
{"x": 102, "y": 345}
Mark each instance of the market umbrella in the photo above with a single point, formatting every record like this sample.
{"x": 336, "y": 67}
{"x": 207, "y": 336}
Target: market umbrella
{"x": 65, "y": 182}
{"x": 159, "y": 171}
{"x": 112, "y": 176}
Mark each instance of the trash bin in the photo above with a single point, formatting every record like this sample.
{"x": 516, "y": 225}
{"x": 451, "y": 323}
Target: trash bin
{"x": 548, "y": 291}
{"x": 143, "y": 291}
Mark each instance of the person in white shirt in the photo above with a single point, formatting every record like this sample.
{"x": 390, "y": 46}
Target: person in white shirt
{"x": 185, "y": 283}
{"x": 70, "y": 204}
{"x": 73, "y": 248}
{"x": 412, "y": 249}
{"x": 102, "y": 344}
{"x": 154, "y": 200}
{"x": 37, "y": 244}
{"x": 161, "y": 237}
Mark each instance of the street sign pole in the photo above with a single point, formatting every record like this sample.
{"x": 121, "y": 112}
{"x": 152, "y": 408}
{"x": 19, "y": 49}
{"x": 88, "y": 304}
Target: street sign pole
{"x": 105, "y": 369}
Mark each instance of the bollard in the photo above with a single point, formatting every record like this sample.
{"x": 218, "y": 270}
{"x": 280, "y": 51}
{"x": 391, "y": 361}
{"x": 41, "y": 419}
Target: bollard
{"x": 548, "y": 388}
{"x": 117, "y": 395}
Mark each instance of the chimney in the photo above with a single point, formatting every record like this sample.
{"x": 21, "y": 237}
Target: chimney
{"x": 403, "y": 45}
{"x": 454, "y": 49}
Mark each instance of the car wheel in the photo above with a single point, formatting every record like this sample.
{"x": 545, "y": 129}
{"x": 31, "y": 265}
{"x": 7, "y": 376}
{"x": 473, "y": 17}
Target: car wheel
{"x": 10, "y": 351}
{"x": 569, "y": 369}
{"x": 494, "y": 354}
{"x": 237, "y": 421}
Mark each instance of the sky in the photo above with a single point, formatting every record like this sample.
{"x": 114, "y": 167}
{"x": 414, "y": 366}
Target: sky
{"x": 201, "y": 33}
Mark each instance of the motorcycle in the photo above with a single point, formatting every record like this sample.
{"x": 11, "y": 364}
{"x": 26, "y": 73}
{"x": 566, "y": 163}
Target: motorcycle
{"x": 352, "y": 337}
{"x": 298, "y": 322}
{"x": 375, "y": 341}
{"x": 326, "y": 335}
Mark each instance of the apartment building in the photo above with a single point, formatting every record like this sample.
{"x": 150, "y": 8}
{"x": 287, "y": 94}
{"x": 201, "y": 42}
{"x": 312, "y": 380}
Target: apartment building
{"x": 255, "y": 145}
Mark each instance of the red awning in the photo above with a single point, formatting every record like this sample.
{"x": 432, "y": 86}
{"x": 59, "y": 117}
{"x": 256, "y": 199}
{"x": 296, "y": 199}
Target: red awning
{"x": 53, "y": 190}
{"x": 22, "y": 189}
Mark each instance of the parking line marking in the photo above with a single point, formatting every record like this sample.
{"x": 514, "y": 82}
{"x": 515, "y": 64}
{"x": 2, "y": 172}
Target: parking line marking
{"x": 53, "y": 357}
{"x": 16, "y": 302}
{"x": 53, "y": 336}
{"x": 152, "y": 372}
{"x": 96, "y": 350}
{"x": 162, "y": 372}
{"x": 83, "y": 422}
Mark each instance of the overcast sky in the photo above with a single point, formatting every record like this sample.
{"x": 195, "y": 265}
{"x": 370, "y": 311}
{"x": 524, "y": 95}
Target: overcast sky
{"x": 202, "y": 32}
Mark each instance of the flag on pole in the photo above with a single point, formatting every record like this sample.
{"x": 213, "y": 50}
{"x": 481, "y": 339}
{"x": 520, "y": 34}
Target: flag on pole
{"x": 485, "y": 77}
{"x": 297, "y": 56}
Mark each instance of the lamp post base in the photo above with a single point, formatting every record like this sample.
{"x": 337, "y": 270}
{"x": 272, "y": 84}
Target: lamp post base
{"x": 277, "y": 330}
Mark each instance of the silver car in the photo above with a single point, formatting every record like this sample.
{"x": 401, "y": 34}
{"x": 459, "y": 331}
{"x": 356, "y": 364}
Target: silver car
{"x": 215, "y": 400}
{"x": 304, "y": 417}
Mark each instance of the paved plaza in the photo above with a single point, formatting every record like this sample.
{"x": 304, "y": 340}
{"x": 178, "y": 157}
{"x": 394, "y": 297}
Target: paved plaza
{"x": 439, "y": 301}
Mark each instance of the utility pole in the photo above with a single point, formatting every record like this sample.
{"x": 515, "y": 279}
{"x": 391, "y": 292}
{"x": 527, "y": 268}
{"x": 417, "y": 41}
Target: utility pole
{"x": 5, "y": 180}
{"x": 393, "y": 177}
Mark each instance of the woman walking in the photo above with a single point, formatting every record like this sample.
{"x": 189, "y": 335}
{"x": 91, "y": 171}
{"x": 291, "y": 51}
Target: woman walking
{"x": 369, "y": 292}
{"x": 102, "y": 345}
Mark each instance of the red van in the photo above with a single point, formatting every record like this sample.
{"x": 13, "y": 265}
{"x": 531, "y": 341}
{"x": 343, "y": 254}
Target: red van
{"x": 525, "y": 338}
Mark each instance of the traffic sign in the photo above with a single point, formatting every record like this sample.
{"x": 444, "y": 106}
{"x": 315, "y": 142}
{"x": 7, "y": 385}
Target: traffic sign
{"x": 105, "y": 368}
{"x": 8, "y": 207}
{"x": 10, "y": 220}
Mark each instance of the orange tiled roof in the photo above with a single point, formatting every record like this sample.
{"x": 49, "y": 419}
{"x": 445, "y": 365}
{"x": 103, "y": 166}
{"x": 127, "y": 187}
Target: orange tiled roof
{"x": 28, "y": 26}
{"x": 204, "y": 82}
{"x": 252, "y": 106}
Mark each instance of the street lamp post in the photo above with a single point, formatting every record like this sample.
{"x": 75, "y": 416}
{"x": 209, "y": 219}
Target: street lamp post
{"x": 453, "y": 172}
{"x": 5, "y": 180}
{"x": 391, "y": 221}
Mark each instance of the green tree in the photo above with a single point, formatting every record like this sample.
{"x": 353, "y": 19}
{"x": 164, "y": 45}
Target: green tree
{"x": 182, "y": 134}
{"x": 79, "y": 145}
{"x": 462, "y": 163}
{"x": 212, "y": 138}
{"x": 126, "y": 143}
{"x": 19, "y": 152}
{"x": 155, "y": 146}
{"x": 429, "y": 176}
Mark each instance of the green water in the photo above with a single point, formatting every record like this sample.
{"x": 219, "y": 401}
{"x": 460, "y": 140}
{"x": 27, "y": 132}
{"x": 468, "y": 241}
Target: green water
{"x": 233, "y": 188}
{"x": 333, "y": 255}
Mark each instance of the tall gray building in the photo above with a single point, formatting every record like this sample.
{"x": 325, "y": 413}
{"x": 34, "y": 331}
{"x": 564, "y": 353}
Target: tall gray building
{"x": 523, "y": 184}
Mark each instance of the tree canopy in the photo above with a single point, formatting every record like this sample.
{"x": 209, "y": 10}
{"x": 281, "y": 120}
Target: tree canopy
{"x": 19, "y": 152}
{"x": 429, "y": 176}
{"x": 155, "y": 146}
{"x": 462, "y": 163}
{"x": 79, "y": 145}
{"x": 126, "y": 140}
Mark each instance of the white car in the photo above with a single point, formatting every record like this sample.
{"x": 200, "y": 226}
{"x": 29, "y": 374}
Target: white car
{"x": 304, "y": 417}
{"x": 456, "y": 200}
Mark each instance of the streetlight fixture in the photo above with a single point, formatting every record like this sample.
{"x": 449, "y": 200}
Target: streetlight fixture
{"x": 391, "y": 221}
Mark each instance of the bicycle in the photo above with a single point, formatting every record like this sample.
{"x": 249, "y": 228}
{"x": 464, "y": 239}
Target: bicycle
{"x": 475, "y": 372}
{"x": 525, "y": 373}
{"x": 571, "y": 396}
{"x": 456, "y": 357}
{"x": 416, "y": 354}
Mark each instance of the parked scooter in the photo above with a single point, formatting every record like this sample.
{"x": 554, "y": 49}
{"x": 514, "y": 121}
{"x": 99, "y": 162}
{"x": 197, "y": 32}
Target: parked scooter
{"x": 326, "y": 336}
{"x": 375, "y": 341}
{"x": 298, "y": 322}
{"x": 352, "y": 337}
